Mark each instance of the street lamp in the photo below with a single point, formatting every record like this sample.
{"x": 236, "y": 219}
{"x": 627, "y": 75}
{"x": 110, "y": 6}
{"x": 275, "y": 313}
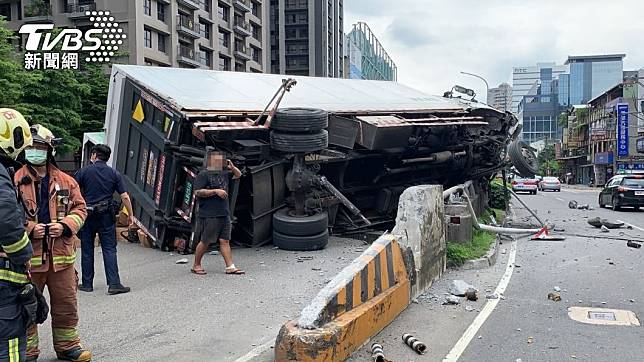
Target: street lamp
{"x": 487, "y": 86}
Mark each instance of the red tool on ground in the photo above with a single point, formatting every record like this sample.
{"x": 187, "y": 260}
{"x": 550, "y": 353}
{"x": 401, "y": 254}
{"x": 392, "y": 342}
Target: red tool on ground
{"x": 544, "y": 234}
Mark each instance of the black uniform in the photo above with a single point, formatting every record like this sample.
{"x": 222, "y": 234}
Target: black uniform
{"x": 13, "y": 271}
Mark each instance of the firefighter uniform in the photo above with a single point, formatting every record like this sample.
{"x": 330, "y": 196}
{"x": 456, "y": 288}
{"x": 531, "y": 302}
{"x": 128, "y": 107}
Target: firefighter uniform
{"x": 15, "y": 248}
{"x": 55, "y": 198}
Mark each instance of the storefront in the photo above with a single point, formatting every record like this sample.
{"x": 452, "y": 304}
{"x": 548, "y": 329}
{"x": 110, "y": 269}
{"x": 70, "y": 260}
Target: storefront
{"x": 603, "y": 167}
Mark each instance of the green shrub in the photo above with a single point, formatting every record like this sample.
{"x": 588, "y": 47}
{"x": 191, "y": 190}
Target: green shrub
{"x": 499, "y": 198}
{"x": 458, "y": 253}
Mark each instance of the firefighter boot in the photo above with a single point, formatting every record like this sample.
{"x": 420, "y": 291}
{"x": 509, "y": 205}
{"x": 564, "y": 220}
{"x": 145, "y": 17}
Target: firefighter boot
{"x": 77, "y": 354}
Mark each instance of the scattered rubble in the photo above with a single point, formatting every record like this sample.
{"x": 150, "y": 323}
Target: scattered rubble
{"x": 555, "y": 297}
{"x": 632, "y": 244}
{"x": 181, "y": 261}
{"x": 451, "y": 300}
{"x": 491, "y": 296}
{"x": 468, "y": 308}
{"x": 573, "y": 204}
{"x": 459, "y": 288}
{"x": 557, "y": 289}
{"x": 471, "y": 294}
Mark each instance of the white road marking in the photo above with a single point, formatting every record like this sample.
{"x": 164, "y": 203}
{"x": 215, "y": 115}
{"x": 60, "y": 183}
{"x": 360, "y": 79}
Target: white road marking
{"x": 256, "y": 352}
{"x": 560, "y": 199}
{"x": 633, "y": 226}
{"x": 487, "y": 310}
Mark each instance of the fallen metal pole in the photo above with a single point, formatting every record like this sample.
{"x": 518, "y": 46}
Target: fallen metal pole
{"x": 527, "y": 208}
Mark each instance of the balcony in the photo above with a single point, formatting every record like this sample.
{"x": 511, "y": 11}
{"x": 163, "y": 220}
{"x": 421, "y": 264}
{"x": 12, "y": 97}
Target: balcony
{"x": 242, "y": 27}
{"x": 35, "y": 13}
{"x": 186, "y": 55}
{"x": 242, "y": 52}
{"x": 187, "y": 27}
{"x": 76, "y": 11}
{"x": 194, "y": 5}
{"x": 242, "y": 5}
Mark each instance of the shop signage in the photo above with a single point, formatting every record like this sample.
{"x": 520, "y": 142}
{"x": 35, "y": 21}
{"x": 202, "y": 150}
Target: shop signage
{"x": 622, "y": 130}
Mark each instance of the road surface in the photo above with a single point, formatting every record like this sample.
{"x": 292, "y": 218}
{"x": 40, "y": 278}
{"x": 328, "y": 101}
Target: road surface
{"x": 526, "y": 326}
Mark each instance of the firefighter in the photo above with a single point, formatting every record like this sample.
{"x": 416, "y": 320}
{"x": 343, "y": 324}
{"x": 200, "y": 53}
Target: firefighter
{"x": 15, "y": 248}
{"x": 56, "y": 212}
{"x": 98, "y": 183}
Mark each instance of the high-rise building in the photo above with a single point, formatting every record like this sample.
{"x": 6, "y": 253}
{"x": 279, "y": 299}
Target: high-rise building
{"x": 592, "y": 75}
{"x": 306, "y": 37}
{"x": 539, "y": 110}
{"x": 210, "y": 34}
{"x": 500, "y": 97}
{"x": 525, "y": 78}
{"x": 365, "y": 57}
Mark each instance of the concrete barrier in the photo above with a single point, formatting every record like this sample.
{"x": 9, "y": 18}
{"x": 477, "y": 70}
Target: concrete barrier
{"x": 420, "y": 228}
{"x": 358, "y": 303}
{"x": 375, "y": 288}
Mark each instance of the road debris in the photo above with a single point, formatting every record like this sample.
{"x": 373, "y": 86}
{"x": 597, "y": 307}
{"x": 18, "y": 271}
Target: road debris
{"x": 557, "y": 289}
{"x": 459, "y": 288}
{"x": 214, "y": 252}
{"x": 471, "y": 294}
{"x": 555, "y": 297}
{"x": 469, "y": 308}
{"x": 632, "y": 244}
{"x": 605, "y": 229}
{"x": 491, "y": 296}
{"x": 596, "y": 222}
{"x": 451, "y": 300}
{"x": 301, "y": 259}
{"x": 377, "y": 353}
{"x": 573, "y": 204}
{"x": 181, "y": 261}
{"x": 530, "y": 340}
{"x": 414, "y": 343}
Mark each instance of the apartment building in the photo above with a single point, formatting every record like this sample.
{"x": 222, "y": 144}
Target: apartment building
{"x": 306, "y": 37}
{"x": 209, "y": 34}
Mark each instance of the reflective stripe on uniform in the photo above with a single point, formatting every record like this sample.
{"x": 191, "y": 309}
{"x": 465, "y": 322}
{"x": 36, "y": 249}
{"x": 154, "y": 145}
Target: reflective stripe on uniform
{"x": 65, "y": 334}
{"x": 63, "y": 259}
{"x": 17, "y": 246}
{"x": 14, "y": 350}
{"x": 36, "y": 261}
{"x": 32, "y": 341}
{"x": 13, "y": 277}
{"x": 77, "y": 219}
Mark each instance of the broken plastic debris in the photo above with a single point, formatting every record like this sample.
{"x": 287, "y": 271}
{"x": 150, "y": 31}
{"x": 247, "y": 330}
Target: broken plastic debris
{"x": 557, "y": 289}
{"x": 555, "y": 297}
{"x": 182, "y": 261}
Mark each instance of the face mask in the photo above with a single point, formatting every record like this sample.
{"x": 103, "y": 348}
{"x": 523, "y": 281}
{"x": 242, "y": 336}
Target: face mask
{"x": 36, "y": 157}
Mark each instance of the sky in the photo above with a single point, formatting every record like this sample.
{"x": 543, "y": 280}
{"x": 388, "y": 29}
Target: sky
{"x": 432, "y": 41}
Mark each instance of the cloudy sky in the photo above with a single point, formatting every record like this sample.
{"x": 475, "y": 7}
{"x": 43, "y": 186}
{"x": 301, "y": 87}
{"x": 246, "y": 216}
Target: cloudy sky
{"x": 431, "y": 41}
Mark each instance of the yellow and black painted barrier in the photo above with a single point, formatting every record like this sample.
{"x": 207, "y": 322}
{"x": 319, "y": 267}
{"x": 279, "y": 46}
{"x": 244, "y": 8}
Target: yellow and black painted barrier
{"x": 357, "y": 304}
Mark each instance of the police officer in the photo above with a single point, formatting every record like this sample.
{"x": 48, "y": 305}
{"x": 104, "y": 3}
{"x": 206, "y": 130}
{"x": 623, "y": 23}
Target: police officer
{"x": 15, "y": 247}
{"x": 98, "y": 182}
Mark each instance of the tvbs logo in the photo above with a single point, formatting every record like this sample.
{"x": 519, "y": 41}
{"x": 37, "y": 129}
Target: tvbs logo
{"x": 99, "y": 44}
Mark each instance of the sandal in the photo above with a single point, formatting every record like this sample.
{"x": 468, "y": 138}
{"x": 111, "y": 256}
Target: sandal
{"x": 232, "y": 270}
{"x": 198, "y": 271}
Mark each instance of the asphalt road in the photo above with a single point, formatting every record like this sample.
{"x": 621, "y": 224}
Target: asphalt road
{"x": 525, "y": 325}
{"x": 173, "y": 315}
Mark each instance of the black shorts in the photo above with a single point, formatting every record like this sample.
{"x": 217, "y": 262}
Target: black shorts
{"x": 210, "y": 229}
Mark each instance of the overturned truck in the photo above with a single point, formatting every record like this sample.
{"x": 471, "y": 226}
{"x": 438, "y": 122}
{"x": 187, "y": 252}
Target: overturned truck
{"x": 334, "y": 157}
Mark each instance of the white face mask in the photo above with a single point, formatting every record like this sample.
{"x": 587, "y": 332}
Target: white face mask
{"x": 36, "y": 157}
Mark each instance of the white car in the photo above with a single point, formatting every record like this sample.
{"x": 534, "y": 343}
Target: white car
{"x": 550, "y": 183}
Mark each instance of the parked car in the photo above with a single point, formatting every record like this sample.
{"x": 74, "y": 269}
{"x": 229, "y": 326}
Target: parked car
{"x": 525, "y": 185}
{"x": 550, "y": 183}
{"x": 623, "y": 190}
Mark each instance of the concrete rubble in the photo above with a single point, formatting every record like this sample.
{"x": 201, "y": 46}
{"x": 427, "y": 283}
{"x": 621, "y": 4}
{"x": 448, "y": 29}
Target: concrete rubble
{"x": 460, "y": 288}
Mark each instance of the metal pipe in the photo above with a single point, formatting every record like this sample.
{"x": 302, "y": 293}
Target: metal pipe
{"x": 527, "y": 208}
{"x": 434, "y": 157}
{"x": 354, "y": 210}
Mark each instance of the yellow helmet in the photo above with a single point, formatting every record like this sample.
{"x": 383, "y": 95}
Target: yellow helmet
{"x": 42, "y": 134}
{"x": 15, "y": 135}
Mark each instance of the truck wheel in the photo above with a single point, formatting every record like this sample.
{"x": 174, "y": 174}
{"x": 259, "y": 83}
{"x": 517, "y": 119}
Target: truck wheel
{"x": 523, "y": 158}
{"x": 301, "y": 243}
{"x": 299, "y": 143}
{"x": 287, "y": 224}
{"x": 300, "y": 120}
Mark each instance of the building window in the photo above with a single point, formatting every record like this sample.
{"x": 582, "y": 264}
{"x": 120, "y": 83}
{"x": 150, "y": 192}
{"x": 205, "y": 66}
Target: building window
{"x": 161, "y": 11}
{"x": 257, "y": 31}
{"x": 256, "y": 54}
{"x": 147, "y": 38}
{"x": 5, "y": 10}
{"x": 224, "y": 39}
{"x": 204, "y": 5}
{"x": 224, "y": 63}
{"x": 161, "y": 42}
{"x": 147, "y": 7}
{"x": 224, "y": 13}
{"x": 240, "y": 67}
{"x": 204, "y": 57}
{"x": 204, "y": 30}
{"x": 256, "y": 9}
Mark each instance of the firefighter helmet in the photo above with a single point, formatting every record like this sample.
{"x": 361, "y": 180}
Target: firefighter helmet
{"x": 15, "y": 135}
{"x": 42, "y": 134}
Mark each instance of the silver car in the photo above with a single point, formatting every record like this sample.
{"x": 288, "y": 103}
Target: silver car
{"x": 550, "y": 183}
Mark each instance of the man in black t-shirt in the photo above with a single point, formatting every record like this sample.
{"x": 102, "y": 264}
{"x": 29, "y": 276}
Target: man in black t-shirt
{"x": 213, "y": 216}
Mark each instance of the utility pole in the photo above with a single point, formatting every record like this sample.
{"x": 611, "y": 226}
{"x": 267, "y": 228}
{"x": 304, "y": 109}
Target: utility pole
{"x": 487, "y": 86}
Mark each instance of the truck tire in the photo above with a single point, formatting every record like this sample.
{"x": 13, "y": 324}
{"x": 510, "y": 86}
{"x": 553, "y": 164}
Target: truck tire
{"x": 285, "y": 223}
{"x": 298, "y": 120}
{"x": 299, "y": 142}
{"x": 301, "y": 243}
{"x": 523, "y": 158}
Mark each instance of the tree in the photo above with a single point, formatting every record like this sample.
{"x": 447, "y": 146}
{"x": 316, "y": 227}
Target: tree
{"x": 548, "y": 164}
{"x": 10, "y": 68}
